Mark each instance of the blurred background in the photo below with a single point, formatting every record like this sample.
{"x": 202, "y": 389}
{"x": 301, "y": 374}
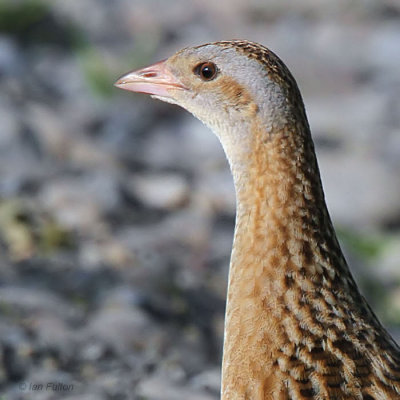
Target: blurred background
{"x": 117, "y": 211}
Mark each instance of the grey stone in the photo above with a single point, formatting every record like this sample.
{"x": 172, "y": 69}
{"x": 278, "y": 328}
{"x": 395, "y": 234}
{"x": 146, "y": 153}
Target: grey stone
{"x": 160, "y": 388}
{"x": 30, "y": 301}
{"x": 163, "y": 191}
{"x": 123, "y": 329}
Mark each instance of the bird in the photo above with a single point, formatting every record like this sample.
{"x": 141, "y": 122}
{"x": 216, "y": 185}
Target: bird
{"x": 296, "y": 325}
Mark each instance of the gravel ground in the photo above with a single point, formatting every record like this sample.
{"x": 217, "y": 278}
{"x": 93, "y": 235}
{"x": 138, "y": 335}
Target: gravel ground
{"x": 117, "y": 211}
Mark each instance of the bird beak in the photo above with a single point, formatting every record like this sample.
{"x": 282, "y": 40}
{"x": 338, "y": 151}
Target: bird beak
{"x": 155, "y": 79}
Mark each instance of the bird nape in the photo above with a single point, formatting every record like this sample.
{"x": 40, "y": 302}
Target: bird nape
{"x": 296, "y": 325}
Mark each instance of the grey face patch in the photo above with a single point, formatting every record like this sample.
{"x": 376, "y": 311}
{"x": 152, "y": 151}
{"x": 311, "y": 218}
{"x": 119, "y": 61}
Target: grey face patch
{"x": 257, "y": 81}
{"x": 246, "y": 71}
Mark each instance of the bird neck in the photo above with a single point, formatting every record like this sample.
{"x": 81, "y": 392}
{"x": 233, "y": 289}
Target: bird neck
{"x": 284, "y": 247}
{"x": 282, "y": 223}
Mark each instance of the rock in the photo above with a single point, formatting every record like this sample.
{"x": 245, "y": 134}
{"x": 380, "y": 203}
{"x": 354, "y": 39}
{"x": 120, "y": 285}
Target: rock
{"x": 71, "y": 205}
{"x": 78, "y": 203}
{"x": 9, "y": 125}
{"x": 354, "y": 128}
{"x": 28, "y": 302}
{"x": 53, "y": 334}
{"x": 208, "y": 381}
{"x": 359, "y": 190}
{"x": 94, "y": 254}
{"x": 125, "y": 330}
{"x": 163, "y": 148}
{"x": 384, "y": 45}
{"x": 190, "y": 227}
{"x": 159, "y": 388}
{"x": 189, "y": 146}
{"x": 93, "y": 351}
{"x": 163, "y": 191}
{"x": 88, "y": 396}
{"x": 15, "y": 352}
{"x": 216, "y": 188}
{"x": 389, "y": 262}
{"x": 114, "y": 383}
{"x": 10, "y": 57}
{"x": 50, "y": 130}
{"x": 123, "y": 297}
{"x": 390, "y": 152}
{"x": 56, "y": 131}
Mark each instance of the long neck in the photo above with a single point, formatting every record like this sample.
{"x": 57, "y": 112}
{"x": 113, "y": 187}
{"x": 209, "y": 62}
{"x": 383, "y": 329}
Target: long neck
{"x": 286, "y": 266}
{"x": 282, "y": 219}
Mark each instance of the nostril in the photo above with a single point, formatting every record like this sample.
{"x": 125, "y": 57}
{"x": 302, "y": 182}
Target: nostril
{"x": 150, "y": 74}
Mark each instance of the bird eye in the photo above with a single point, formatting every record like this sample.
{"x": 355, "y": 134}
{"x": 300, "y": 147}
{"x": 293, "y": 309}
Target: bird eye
{"x": 207, "y": 71}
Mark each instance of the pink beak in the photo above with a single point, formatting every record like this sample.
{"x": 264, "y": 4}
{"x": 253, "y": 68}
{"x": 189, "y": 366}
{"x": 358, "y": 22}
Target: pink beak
{"x": 155, "y": 79}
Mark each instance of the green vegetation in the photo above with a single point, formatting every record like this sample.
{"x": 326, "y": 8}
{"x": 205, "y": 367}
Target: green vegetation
{"x": 365, "y": 246}
{"x": 27, "y": 232}
{"x": 17, "y": 17}
{"x": 101, "y": 76}
{"x": 32, "y": 21}
{"x": 371, "y": 249}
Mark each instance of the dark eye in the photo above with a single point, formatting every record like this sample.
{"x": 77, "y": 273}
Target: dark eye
{"x": 207, "y": 71}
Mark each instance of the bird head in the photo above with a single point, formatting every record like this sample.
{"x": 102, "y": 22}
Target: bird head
{"x": 228, "y": 85}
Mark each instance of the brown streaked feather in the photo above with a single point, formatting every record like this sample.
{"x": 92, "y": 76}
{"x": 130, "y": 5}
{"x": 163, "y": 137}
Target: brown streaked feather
{"x": 327, "y": 342}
